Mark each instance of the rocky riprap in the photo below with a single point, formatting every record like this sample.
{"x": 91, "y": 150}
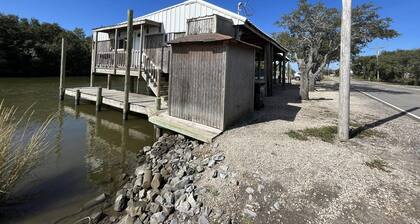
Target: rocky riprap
{"x": 162, "y": 190}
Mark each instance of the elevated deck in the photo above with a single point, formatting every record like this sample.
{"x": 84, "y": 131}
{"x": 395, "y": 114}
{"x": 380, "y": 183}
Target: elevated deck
{"x": 138, "y": 103}
{"x": 146, "y": 105}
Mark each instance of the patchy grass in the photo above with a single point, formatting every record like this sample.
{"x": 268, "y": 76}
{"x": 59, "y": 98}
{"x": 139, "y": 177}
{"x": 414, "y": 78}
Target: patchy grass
{"x": 326, "y": 133}
{"x": 358, "y": 130}
{"x": 296, "y": 135}
{"x": 378, "y": 164}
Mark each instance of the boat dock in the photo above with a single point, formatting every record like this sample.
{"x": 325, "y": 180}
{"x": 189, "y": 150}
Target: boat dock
{"x": 145, "y": 105}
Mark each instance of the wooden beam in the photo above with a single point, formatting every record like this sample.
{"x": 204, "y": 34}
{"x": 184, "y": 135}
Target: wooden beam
{"x": 95, "y": 54}
{"x": 109, "y": 81}
{"x": 283, "y": 73}
{"x": 62, "y": 68}
{"x": 268, "y": 68}
{"x": 115, "y": 50}
{"x": 128, "y": 64}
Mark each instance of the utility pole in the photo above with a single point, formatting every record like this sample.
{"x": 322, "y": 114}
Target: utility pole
{"x": 345, "y": 51}
{"x": 378, "y": 52}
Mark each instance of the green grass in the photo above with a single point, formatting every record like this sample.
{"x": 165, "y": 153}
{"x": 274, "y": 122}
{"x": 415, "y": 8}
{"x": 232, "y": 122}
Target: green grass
{"x": 326, "y": 133}
{"x": 378, "y": 164}
{"x": 296, "y": 135}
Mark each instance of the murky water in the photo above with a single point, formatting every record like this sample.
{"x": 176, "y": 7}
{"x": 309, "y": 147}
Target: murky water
{"x": 89, "y": 151}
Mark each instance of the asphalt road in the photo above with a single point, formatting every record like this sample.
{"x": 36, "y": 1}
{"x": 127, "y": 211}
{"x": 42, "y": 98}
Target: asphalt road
{"x": 403, "y": 98}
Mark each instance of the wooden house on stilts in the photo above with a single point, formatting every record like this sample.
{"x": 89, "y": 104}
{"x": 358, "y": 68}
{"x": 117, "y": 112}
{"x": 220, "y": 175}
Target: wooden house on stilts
{"x": 208, "y": 66}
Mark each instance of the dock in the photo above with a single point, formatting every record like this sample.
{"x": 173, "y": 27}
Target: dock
{"x": 138, "y": 103}
{"x": 145, "y": 105}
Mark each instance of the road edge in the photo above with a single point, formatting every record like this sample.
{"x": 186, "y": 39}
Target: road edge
{"x": 390, "y": 105}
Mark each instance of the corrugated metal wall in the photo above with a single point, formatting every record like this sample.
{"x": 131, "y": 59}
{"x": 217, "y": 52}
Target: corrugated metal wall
{"x": 197, "y": 83}
{"x": 174, "y": 19}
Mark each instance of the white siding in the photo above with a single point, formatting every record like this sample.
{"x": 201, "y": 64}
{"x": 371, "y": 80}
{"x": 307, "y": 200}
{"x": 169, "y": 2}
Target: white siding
{"x": 174, "y": 19}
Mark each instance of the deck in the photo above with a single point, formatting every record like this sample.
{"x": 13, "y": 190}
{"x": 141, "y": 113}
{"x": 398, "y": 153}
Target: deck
{"x": 146, "y": 105}
{"x": 138, "y": 103}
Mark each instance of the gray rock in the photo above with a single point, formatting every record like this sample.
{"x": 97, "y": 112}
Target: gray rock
{"x": 218, "y": 157}
{"x": 183, "y": 207}
{"x": 157, "y": 181}
{"x": 126, "y": 220}
{"x": 182, "y": 183}
{"x": 191, "y": 201}
{"x": 157, "y": 218}
{"x": 142, "y": 193}
{"x": 223, "y": 175}
{"x": 147, "y": 178}
{"x": 120, "y": 203}
{"x": 139, "y": 171}
{"x": 168, "y": 209}
{"x": 224, "y": 168}
{"x": 277, "y": 205}
{"x": 248, "y": 213}
{"x": 139, "y": 181}
{"x": 159, "y": 199}
{"x": 152, "y": 194}
{"x": 217, "y": 213}
{"x": 249, "y": 190}
{"x": 169, "y": 198}
{"x": 173, "y": 221}
{"x": 260, "y": 187}
{"x": 154, "y": 207}
{"x": 214, "y": 174}
{"x": 199, "y": 169}
{"x": 211, "y": 163}
{"x": 203, "y": 220}
{"x": 147, "y": 148}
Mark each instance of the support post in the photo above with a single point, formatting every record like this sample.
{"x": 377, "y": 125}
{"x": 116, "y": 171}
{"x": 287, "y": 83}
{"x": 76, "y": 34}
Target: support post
{"x": 289, "y": 75}
{"x": 99, "y": 99}
{"x": 128, "y": 63}
{"x": 283, "y": 73}
{"x": 158, "y": 132}
{"x": 115, "y": 50}
{"x": 77, "y": 98}
{"x": 158, "y": 99}
{"x": 268, "y": 67}
{"x": 345, "y": 50}
{"x": 62, "y": 68}
{"x": 109, "y": 81}
{"x": 94, "y": 56}
{"x": 141, "y": 57}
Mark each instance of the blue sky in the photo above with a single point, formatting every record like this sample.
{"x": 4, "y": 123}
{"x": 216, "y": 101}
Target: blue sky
{"x": 88, "y": 14}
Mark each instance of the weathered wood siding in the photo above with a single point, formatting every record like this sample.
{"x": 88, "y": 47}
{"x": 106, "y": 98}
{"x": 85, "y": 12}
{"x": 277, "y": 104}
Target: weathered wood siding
{"x": 224, "y": 26}
{"x": 240, "y": 75}
{"x": 201, "y": 25}
{"x": 157, "y": 51}
{"x": 197, "y": 83}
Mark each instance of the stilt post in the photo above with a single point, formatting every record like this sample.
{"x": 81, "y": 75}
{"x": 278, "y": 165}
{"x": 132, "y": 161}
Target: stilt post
{"x": 128, "y": 63}
{"x": 345, "y": 63}
{"x": 99, "y": 99}
{"x": 158, "y": 132}
{"x": 62, "y": 68}
{"x": 109, "y": 82}
{"x": 283, "y": 72}
{"x": 77, "y": 98}
{"x": 94, "y": 57}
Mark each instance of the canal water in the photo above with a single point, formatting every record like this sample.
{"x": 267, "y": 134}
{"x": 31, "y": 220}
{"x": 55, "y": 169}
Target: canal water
{"x": 89, "y": 151}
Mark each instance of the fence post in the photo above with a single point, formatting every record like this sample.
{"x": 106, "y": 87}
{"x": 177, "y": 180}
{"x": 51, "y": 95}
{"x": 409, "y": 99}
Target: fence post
{"x": 128, "y": 63}
{"x": 62, "y": 68}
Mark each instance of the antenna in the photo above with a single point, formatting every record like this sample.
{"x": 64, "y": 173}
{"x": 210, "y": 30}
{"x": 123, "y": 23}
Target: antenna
{"x": 244, "y": 9}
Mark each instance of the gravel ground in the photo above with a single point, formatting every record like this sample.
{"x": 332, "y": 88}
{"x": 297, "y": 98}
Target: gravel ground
{"x": 277, "y": 179}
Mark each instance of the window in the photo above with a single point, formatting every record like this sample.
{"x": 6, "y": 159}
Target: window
{"x": 122, "y": 43}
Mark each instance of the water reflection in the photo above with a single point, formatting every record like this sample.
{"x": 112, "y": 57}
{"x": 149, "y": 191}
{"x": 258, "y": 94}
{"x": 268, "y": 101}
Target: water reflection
{"x": 90, "y": 152}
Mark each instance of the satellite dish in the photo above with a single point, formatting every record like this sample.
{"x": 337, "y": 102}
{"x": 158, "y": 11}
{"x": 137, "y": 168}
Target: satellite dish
{"x": 244, "y": 9}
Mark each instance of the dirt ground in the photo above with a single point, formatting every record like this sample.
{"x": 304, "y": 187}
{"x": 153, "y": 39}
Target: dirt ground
{"x": 273, "y": 178}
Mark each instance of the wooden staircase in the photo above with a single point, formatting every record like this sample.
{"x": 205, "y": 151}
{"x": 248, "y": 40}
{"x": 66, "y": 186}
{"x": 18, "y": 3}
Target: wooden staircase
{"x": 156, "y": 80}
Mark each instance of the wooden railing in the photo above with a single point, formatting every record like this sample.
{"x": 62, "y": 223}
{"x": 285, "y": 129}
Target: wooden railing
{"x": 105, "y": 59}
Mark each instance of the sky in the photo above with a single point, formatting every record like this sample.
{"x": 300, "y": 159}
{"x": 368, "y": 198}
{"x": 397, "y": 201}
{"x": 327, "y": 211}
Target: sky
{"x": 88, "y": 14}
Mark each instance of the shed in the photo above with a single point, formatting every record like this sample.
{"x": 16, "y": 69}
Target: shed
{"x": 212, "y": 79}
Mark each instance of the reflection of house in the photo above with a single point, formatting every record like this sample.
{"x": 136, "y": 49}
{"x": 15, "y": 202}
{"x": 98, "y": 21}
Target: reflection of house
{"x": 204, "y": 57}
{"x": 111, "y": 146}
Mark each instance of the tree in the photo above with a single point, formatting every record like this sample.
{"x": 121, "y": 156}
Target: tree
{"x": 312, "y": 33}
{"x": 28, "y": 47}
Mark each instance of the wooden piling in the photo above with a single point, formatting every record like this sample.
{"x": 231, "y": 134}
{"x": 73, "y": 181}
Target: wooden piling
{"x": 128, "y": 63}
{"x": 158, "y": 132}
{"x": 77, "y": 97}
{"x": 62, "y": 68}
{"x": 99, "y": 99}
{"x": 94, "y": 56}
{"x": 109, "y": 82}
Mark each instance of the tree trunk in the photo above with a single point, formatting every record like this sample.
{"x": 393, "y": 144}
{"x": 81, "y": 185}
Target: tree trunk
{"x": 304, "y": 86}
{"x": 311, "y": 79}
